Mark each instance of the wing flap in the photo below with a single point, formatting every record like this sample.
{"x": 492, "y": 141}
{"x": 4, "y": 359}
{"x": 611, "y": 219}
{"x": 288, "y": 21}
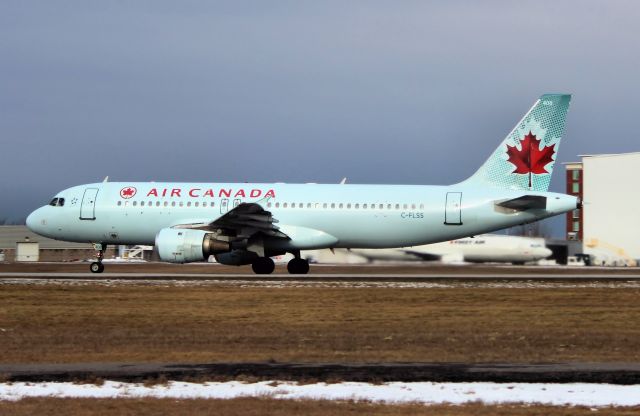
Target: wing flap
{"x": 241, "y": 222}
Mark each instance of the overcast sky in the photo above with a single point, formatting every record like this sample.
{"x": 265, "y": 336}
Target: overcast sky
{"x": 413, "y": 92}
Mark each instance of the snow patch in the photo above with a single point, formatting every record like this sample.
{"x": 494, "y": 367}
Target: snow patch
{"x": 577, "y": 394}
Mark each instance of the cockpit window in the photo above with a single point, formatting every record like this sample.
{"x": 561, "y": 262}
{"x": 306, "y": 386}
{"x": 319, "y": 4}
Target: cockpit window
{"x": 57, "y": 202}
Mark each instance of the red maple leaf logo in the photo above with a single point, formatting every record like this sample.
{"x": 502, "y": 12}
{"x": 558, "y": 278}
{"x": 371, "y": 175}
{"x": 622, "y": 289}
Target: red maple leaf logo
{"x": 128, "y": 192}
{"x": 530, "y": 159}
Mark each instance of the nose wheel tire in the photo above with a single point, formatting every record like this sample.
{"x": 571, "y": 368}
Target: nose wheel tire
{"x": 96, "y": 267}
{"x": 263, "y": 265}
{"x": 298, "y": 266}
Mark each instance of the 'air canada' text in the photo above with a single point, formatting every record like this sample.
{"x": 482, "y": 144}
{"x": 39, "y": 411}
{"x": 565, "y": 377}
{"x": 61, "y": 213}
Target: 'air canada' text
{"x": 210, "y": 193}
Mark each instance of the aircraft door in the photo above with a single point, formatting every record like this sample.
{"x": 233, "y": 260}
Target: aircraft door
{"x": 224, "y": 206}
{"x": 236, "y": 202}
{"x": 88, "y": 205}
{"x": 453, "y": 209}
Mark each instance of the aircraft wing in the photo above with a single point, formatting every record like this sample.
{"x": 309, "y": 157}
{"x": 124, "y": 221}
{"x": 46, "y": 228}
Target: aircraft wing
{"x": 243, "y": 221}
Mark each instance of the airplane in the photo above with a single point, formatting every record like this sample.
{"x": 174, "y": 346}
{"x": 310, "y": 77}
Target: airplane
{"x": 487, "y": 248}
{"x": 248, "y": 223}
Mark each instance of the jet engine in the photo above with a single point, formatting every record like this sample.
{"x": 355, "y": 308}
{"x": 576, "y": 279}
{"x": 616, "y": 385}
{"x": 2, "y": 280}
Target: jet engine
{"x": 176, "y": 245}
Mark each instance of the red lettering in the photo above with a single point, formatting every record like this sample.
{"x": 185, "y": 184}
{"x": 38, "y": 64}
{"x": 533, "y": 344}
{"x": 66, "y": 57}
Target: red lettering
{"x": 225, "y": 192}
{"x": 209, "y": 193}
{"x": 192, "y": 192}
{"x": 153, "y": 192}
{"x": 175, "y": 192}
{"x": 240, "y": 193}
{"x": 164, "y": 192}
{"x": 255, "y": 193}
{"x": 270, "y": 194}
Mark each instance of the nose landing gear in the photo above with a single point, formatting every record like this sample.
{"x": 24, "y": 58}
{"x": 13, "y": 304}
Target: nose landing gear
{"x": 97, "y": 266}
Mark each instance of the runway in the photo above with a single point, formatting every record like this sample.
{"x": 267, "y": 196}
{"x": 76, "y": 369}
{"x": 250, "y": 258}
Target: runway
{"x": 321, "y": 281}
{"x": 611, "y": 373}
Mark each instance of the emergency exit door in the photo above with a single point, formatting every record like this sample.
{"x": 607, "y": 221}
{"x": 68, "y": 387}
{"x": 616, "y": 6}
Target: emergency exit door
{"x": 88, "y": 205}
{"x": 453, "y": 209}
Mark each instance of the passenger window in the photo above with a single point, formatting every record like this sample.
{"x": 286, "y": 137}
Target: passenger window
{"x": 405, "y": 206}
{"x": 284, "y": 205}
{"x": 268, "y": 204}
{"x": 135, "y": 203}
{"x": 413, "y": 206}
{"x": 197, "y": 204}
{"x": 341, "y": 205}
{"x": 181, "y": 203}
{"x": 357, "y": 206}
{"x": 204, "y": 205}
{"x": 381, "y": 206}
{"x": 308, "y": 204}
{"x": 166, "y": 203}
{"x": 348, "y": 206}
{"x": 157, "y": 203}
{"x": 397, "y": 206}
{"x": 421, "y": 206}
{"x": 277, "y": 204}
{"x": 212, "y": 204}
{"x": 364, "y": 206}
{"x": 388, "y": 206}
{"x": 119, "y": 203}
{"x": 324, "y": 205}
{"x": 141, "y": 203}
{"x": 189, "y": 203}
{"x": 333, "y": 205}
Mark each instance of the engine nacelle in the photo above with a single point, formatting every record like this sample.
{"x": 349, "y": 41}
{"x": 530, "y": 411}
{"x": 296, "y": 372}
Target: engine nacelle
{"x": 176, "y": 245}
{"x": 236, "y": 257}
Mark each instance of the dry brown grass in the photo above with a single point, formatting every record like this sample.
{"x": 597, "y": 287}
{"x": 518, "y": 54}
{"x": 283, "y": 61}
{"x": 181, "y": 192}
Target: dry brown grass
{"x": 253, "y": 406}
{"x": 191, "y": 324}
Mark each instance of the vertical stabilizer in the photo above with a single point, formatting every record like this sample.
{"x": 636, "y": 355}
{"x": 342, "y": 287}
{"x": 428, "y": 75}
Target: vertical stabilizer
{"x": 525, "y": 159}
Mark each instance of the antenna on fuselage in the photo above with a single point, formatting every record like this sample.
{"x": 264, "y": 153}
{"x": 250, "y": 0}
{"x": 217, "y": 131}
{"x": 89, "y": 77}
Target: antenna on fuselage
{"x": 343, "y": 181}
{"x": 106, "y": 179}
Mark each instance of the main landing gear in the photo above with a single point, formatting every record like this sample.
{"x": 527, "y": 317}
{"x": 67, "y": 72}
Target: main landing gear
{"x": 97, "y": 266}
{"x": 264, "y": 265}
{"x": 298, "y": 265}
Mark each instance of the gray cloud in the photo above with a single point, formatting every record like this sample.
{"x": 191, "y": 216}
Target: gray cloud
{"x": 381, "y": 92}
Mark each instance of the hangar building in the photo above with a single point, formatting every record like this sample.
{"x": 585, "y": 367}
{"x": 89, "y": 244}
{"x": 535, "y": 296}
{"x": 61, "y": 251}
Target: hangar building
{"x": 608, "y": 223}
{"x": 18, "y": 243}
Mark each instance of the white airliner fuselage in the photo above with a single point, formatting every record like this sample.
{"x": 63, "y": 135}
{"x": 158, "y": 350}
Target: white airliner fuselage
{"x": 489, "y": 248}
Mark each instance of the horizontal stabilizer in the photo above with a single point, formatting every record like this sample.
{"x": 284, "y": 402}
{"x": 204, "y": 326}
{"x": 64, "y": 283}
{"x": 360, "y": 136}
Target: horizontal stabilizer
{"x": 525, "y": 202}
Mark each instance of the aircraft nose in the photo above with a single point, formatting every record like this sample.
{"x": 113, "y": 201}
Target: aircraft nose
{"x": 546, "y": 253}
{"x": 33, "y": 221}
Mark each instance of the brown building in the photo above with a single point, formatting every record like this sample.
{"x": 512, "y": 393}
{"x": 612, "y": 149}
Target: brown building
{"x": 575, "y": 221}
